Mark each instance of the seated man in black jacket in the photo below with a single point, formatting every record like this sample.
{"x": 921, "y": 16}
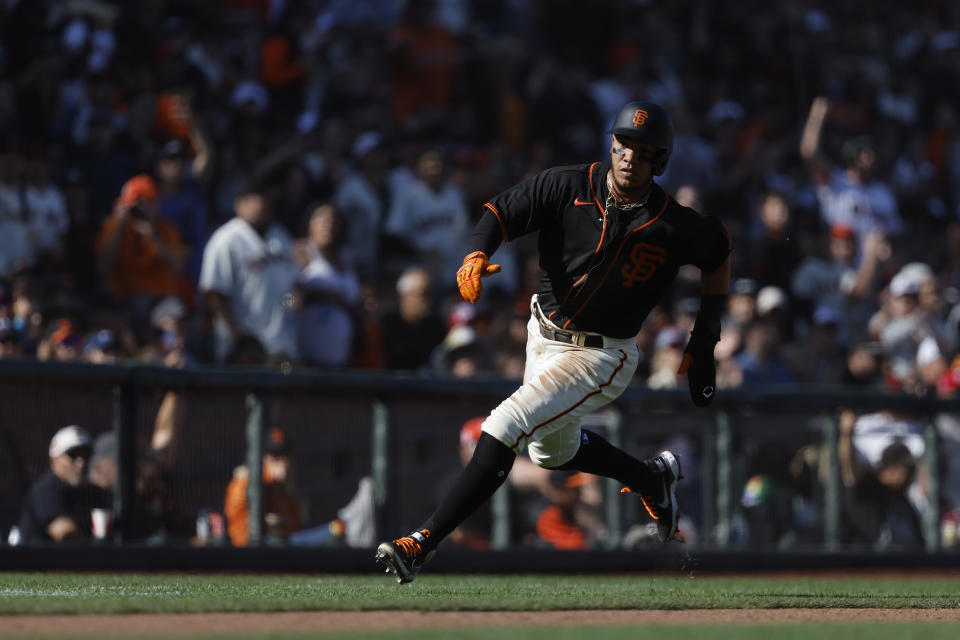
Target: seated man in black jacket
{"x": 58, "y": 506}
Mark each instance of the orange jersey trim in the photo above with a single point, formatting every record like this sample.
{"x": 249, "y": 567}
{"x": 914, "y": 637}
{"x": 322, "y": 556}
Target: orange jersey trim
{"x": 623, "y": 358}
{"x": 666, "y": 201}
{"x": 596, "y": 251}
{"x": 594, "y": 192}
{"x": 503, "y": 227}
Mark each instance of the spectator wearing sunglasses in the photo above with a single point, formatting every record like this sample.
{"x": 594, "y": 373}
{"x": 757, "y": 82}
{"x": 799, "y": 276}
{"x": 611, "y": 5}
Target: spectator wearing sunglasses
{"x": 58, "y": 507}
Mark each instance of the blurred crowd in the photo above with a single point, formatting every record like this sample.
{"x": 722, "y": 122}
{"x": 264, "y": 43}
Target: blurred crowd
{"x": 290, "y": 183}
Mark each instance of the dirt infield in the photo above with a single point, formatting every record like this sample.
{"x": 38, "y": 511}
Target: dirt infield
{"x": 334, "y": 621}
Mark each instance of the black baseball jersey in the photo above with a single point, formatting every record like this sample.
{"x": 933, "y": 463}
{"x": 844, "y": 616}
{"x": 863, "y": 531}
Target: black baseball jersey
{"x": 603, "y": 269}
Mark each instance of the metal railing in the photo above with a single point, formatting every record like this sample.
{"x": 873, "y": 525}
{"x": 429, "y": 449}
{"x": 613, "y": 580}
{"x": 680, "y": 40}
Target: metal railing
{"x": 378, "y": 396}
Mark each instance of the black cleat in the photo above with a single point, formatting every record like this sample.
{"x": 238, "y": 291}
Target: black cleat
{"x": 404, "y": 557}
{"x": 662, "y": 505}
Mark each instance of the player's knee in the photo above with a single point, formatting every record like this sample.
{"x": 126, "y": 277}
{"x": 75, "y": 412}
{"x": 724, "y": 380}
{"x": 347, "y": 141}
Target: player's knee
{"x": 552, "y": 457}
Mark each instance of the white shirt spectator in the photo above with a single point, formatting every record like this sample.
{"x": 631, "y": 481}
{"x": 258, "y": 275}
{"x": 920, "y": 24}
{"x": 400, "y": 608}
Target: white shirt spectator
{"x": 47, "y": 216}
{"x": 256, "y": 273}
{"x": 359, "y": 202}
{"x": 825, "y": 283}
{"x": 11, "y": 205}
{"x": 433, "y": 222}
{"x": 874, "y": 432}
{"x": 863, "y": 208}
{"x": 16, "y": 250}
{"x": 325, "y": 327}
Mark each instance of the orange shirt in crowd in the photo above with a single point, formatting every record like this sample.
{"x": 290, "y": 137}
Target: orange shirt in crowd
{"x": 555, "y": 527}
{"x": 277, "y": 499}
{"x": 278, "y": 67}
{"x": 425, "y": 61}
{"x": 138, "y": 267}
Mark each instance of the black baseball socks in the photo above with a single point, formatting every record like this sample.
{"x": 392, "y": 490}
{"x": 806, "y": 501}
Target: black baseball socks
{"x": 599, "y": 457}
{"x": 483, "y": 475}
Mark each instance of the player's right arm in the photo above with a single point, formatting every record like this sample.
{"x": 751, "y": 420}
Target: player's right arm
{"x": 519, "y": 210}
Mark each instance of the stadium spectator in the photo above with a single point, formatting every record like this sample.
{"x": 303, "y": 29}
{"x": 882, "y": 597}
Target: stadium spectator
{"x": 414, "y": 329}
{"x": 57, "y": 508}
{"x": 424, "y": 55}
{"x": 362, "y": 196}
{"x": 463, "y": 353}
{"x": 139, "y": 255}
{"x": 114, "y": 90}
{"x": 16, "y": 248}
{"x": 10, "y": 346}
{"x": 182, "y": 198}
{"x": 46, "y": 211}
{"x": 773, "y": 305}
{"x": 248, "y": 278}
{"x": 62, "y": 342}
{"x": 852, "y": 195}
{"x": 877, "y": 475}
{"x": 281, "y": 508}
{"x": 429, "y": 215}
{"x": 775, "y": 251}
{"x": 100, "y": 347}
{"x": 948, "y": 428}
{"x": 155, "y": 517}
{"x": 837, "y": 282}
{"x": 328, "y": 291}
{"x": 741, "y": 311}
{"x": 818, "y": 357}
{"x": 760, "y": 361}
{"x": 666, "y": 358}
{"x": 570, "y": 522}
{"x": 902, "y": 324}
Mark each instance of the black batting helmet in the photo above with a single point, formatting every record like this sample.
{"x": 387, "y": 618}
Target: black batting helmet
{"x": 650, "y": 124}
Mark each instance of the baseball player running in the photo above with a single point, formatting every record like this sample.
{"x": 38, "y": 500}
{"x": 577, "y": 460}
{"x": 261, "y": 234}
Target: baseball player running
{"x": 611, "y": 242}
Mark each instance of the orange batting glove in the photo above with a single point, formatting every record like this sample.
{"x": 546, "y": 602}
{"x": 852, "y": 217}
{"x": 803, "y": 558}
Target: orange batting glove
{"x": 475, "y": 266}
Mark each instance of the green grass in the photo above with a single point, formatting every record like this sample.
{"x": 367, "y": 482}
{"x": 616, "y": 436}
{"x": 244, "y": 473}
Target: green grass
{"x": 49, "y": 593}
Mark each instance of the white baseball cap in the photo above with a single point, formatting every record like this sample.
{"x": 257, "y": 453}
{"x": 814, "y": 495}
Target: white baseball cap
{"x": 68, "y": 438}
{"x": 770, "y": 298}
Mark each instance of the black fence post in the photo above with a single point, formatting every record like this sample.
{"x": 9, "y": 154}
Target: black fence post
{"x": 125, "y": 432}
{"x": 381, "y": 469}
{"x": 931, "y": 459}
{"x": 834, "y": 485}
{"x": 255, "y": 420}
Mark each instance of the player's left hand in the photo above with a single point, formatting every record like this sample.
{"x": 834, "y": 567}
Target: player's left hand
{"x": 475, "y": 266}
{"x": 701, "y": 369}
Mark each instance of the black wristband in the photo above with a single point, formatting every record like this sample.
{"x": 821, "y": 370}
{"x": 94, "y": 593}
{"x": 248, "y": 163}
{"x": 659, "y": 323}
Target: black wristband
{"x": 707, "y": 324}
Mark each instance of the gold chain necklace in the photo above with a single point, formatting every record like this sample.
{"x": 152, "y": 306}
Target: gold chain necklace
{"x": 623, "y": 206}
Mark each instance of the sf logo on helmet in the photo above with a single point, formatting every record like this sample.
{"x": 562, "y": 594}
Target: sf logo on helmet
{"x": 639, "y": 117}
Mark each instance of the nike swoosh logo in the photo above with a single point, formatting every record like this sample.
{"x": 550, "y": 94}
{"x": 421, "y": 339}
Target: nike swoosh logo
{"x": 581, "y": 203}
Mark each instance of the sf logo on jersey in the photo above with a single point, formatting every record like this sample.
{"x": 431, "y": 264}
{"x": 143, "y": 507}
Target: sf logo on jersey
{"x": 644, "y": 259}
{"x": 639, "y": 117}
